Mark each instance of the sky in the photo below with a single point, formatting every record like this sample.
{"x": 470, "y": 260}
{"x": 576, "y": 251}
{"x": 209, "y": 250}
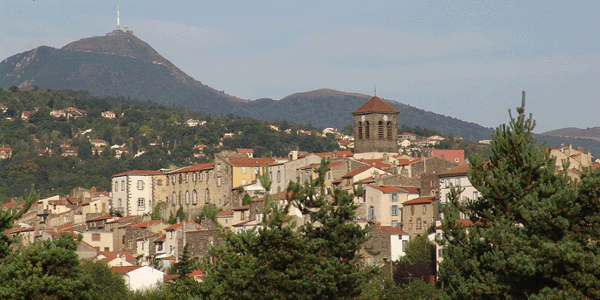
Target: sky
{"x": 466, "y": 59}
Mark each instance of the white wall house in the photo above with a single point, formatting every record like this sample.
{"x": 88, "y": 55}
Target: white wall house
{"x": 457, "y": 177}
{"x": 132, "y": 192}
{"x": 139, "y": 278}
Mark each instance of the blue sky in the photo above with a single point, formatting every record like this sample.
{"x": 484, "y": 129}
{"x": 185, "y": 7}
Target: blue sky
{"x": 465, "y": 59}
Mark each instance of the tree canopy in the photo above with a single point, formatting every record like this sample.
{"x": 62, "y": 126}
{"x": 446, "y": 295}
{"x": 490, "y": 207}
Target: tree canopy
{"x": 534, "y": 233}
{"x": 317, "y": 260}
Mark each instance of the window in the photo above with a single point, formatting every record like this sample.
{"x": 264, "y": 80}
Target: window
{"x": 159, "y": 246}
{"x": 367, "y": 134}
{"x": 173, "y": 178}
{"x": 187, "y": 177}
{"x": 389, "y": 130}
{"x": 159, "y": 182}
{"x": 255, "y": 170}
{"x": 140, "y": 202}
{"x": 475, "y": 195}
{"x": 95, "y": 237}
{"x": 380, "y": 130}
{"x": 130, "y": 245}
{"x": 457, "y": 180}
{"x": 140, "y": 185}
{"x": 122, "y": 185}
{"x": 371, "y": 215}
{"x": 329, "y": 175}
{"x": 278, "y": 176}
{"x": 395, "y": 224}
{"x": 360, "y": 130}
{"x": 194, "y": 197}
{"x": 119, "y": 203}
{"x": 206, "y": 196}
{"x": 219, "y": 181}
{"x": 116, "y": 186}
{"x": 243, "y": 181}
{"x": 404, "y": 244}
{"x": 394, "y": 197}
{"x": 418, "y": 223}
{"x": 201, "y": 176}
{"x": 447, "y": 182}
{"x": 170, "y": 235}
{"x": 218, "y": 167}
{"x": 180, "y": 178}
{"x": 187, "y": 197}
{"x": 243, "y": 170}
{"x": 424, "y": 209}
{"x": 106, "y": 249}
{"x": 394, "y": 210}
{"x": 194, "y": 176}
{"x": 271, "y": 176}
{"x": 174, "y": 199}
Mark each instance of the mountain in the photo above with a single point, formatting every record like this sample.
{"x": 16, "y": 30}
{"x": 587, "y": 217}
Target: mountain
{"x": 120, "y": 64}
{"x": 330, "y": 108}
{"x": 117, "y": 64}
{"x": 573, "y": 132}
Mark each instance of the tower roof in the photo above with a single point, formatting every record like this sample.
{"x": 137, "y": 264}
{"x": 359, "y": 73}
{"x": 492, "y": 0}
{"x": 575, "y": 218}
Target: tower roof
{"x": 375, "y": 104}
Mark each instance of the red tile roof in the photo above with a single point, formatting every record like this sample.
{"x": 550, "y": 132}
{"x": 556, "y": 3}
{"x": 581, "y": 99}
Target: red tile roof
{"x": 124, "y": 270}
{"x": 355, "y": 172}
{"x": 114, "y": 254}
{"x": 105, "y": 217}
{"x": 375, "y": 104}
{"x": 392, "y": 230}
{"x": 194, "y": 168}
{"x": 386, "y": 188}
{"x": 460, "y": 170}
{"x": 377, "y": 163}
{"x": 225, "y": 213}
{"x": 420, "y": 200}
{"x": 139, "y": 173}
{"x": 252, "y": 162}
{"x": 245, "y": 207}
{"x": 145, "y": 224}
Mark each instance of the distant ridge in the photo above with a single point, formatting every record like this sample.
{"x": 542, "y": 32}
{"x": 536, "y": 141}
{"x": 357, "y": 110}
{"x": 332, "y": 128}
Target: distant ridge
{"x": 120, "y": 64}
{"x": 573, "y": 132}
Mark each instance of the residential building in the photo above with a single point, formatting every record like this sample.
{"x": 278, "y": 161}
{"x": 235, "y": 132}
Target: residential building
{"x": 383, "y": 204}
{"x": 456, "y": 156}
{"x": 133, "y": 191}
{"x": 389, "y": 244}
{"x": 139, "y": 278}
{"x": 192, "y": 188}
{"x": 457, "y": 178}
{"x": 419, "y": 215}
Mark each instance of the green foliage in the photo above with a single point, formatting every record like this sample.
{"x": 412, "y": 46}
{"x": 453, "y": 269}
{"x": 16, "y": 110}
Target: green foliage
{"x": 181, "y": 215}
{"x": 419, "y": 251}
{"x": 106, "y": 284}
{"x": 319, "y": 260}
{"x": 534, "y": 233}
{"x": 7, "y": 218}
{"x": 156, "y": 213}
{"x": 45, "y": 271}
{"x": 172, "y": 219}
{"x": 247, "y": 199}
{"x": 141, "y": 126}
{"x": 209, "y": 211}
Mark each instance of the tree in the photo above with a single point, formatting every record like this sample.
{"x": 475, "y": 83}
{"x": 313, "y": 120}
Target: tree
{"x": 106, "y": 283}
{"x": 156, "y": 213}
{"x": 7, "y": 218}
{"x": 534, "y": 233}
{"x": 45, "y": 271}
{"x": 317, "y": 260}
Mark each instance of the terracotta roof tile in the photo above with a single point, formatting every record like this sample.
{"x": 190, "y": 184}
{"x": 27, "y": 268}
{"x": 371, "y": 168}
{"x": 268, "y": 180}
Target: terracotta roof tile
{"x": 252, "y": 162}
{"x": 392, "y": 230}
{"x": 420, "y": 200}
{"x": 139, "y": 173}
{"x": 460, "y": 170}
{"x": 194, "y": 168}
{"x": 375, "y": 104}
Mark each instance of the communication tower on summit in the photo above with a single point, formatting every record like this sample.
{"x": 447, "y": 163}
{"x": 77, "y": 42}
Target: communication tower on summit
{"x": 118, "y": 27}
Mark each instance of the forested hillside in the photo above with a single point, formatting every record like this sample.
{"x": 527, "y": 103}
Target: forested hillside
{"x": 155, "y": 137}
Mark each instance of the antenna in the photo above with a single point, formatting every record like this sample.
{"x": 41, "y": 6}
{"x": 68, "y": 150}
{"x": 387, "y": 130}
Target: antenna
{"x": 374, "y": 90}
{"x": 118, "y": 27}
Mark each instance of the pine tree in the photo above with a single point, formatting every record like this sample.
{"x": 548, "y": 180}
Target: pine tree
{"x": 318, "y": 260}
{"x": 534, "y": 233}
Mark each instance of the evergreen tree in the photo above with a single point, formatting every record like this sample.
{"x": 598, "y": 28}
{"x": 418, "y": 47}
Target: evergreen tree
{"x": 534, "y": 233}
{"x": 318, "y": 260}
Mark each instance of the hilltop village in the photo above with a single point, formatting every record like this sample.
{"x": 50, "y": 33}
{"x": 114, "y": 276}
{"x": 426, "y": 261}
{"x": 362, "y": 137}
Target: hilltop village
{"x": 139, "y": 227}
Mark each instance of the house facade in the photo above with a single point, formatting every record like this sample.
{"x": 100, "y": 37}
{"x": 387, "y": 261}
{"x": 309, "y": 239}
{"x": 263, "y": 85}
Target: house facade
{"x": 133, "y": 191}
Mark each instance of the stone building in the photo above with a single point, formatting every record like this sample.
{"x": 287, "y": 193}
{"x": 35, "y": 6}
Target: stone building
{"x": 375, "y": 127}
{"x": 191, "y": 188}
